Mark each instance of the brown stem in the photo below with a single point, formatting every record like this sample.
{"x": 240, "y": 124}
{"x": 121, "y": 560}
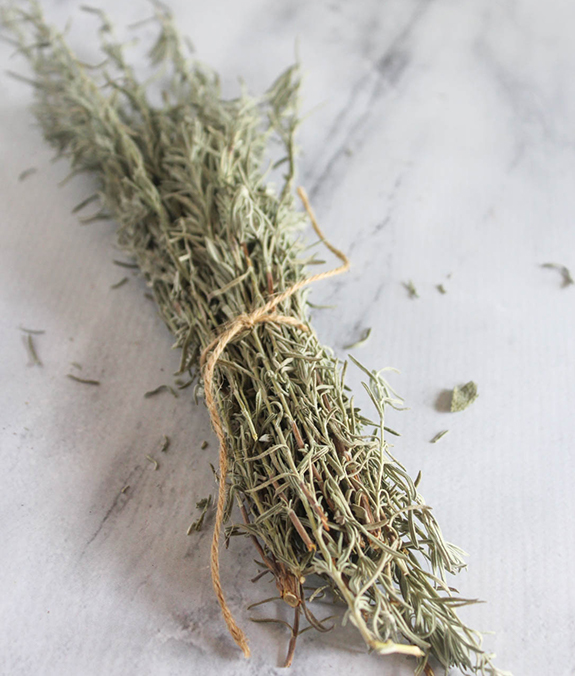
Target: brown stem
{"x": 293, "y": 639}
{"x": 287, "y": 583}
{"x": 298, "y": 438}
{"x": 295, "y": 520}
{"x": 315, "y": 505}
{"x": 246, "y": 253}
{"x": 301, "y": 530}
{"x": 289, "y": 586}
{"x": 268, "y": 562}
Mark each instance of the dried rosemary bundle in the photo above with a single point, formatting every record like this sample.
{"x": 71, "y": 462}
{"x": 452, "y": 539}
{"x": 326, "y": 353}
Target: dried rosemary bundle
{"x": 321, "y": 497}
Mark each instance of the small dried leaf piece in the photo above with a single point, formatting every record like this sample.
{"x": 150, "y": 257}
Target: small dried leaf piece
{"x": 153, "y": 461}
{"x": 34, "y": 332}
{"x": 439, "y": 435}
{"x": 86, "y": 381}
{"x": 161, "y": 388}
{"x": 27, "y": 172}
{"x": 117, "y": 285}
{"x": 564, "y": 270}
{"x": 463, "y": 397}
{"x": 361, "y": 341}
{"x": 29, "y": 343}
{"x": 204, "y": 504}
{"x": 124, "y": 264}
{"x": 410, "y": 286}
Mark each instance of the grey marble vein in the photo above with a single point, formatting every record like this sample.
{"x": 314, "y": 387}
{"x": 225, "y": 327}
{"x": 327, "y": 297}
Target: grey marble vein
{"x": 350, "y": 123}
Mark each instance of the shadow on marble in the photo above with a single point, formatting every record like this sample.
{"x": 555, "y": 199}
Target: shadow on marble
{"x": 443, "y": 401}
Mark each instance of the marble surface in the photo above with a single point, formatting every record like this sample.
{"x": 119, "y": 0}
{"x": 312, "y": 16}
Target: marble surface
{"x": 441, "y": 142}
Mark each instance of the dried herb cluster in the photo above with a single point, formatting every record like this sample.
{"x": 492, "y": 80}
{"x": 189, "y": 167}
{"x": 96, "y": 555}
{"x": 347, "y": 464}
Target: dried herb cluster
{"x": 321, "y": 497}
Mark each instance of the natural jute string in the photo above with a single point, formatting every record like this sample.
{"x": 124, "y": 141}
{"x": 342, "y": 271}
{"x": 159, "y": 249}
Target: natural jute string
{"x": 208, "y": 361}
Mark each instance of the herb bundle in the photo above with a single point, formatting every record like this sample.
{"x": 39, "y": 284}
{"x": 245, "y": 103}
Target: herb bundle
{"x": 321, "y": 497}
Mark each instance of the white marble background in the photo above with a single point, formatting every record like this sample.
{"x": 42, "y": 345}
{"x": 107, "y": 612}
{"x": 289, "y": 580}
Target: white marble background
{"x": 442, "y": 141}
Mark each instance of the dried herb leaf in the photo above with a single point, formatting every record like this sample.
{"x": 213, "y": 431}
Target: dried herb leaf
{"x": 124, "y": 264}
{"x": 463, "y": 396}
{"x": 439, "y": 436}
{"x": 204, "y": 504}
{"x": 153, "y": 461}
{"x": 86, "y": 381}
{"x": 412, "y": 291}
{"x": 29, "y": 343}
{"x": 117, "y": 285}
{"x": 361, "y": 341}
{"x": 161, "y": 388}
{"x": 34, "y": 332}
{"x": 27, "y": 172}
{"x": 84, "y": 203}
{"x": 563, "y": 270}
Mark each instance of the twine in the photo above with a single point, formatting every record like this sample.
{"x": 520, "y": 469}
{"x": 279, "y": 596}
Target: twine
{"x": 208, "y": 361}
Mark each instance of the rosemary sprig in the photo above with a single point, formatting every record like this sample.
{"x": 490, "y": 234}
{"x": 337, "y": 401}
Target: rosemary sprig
{"x": 319, "y": 496}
